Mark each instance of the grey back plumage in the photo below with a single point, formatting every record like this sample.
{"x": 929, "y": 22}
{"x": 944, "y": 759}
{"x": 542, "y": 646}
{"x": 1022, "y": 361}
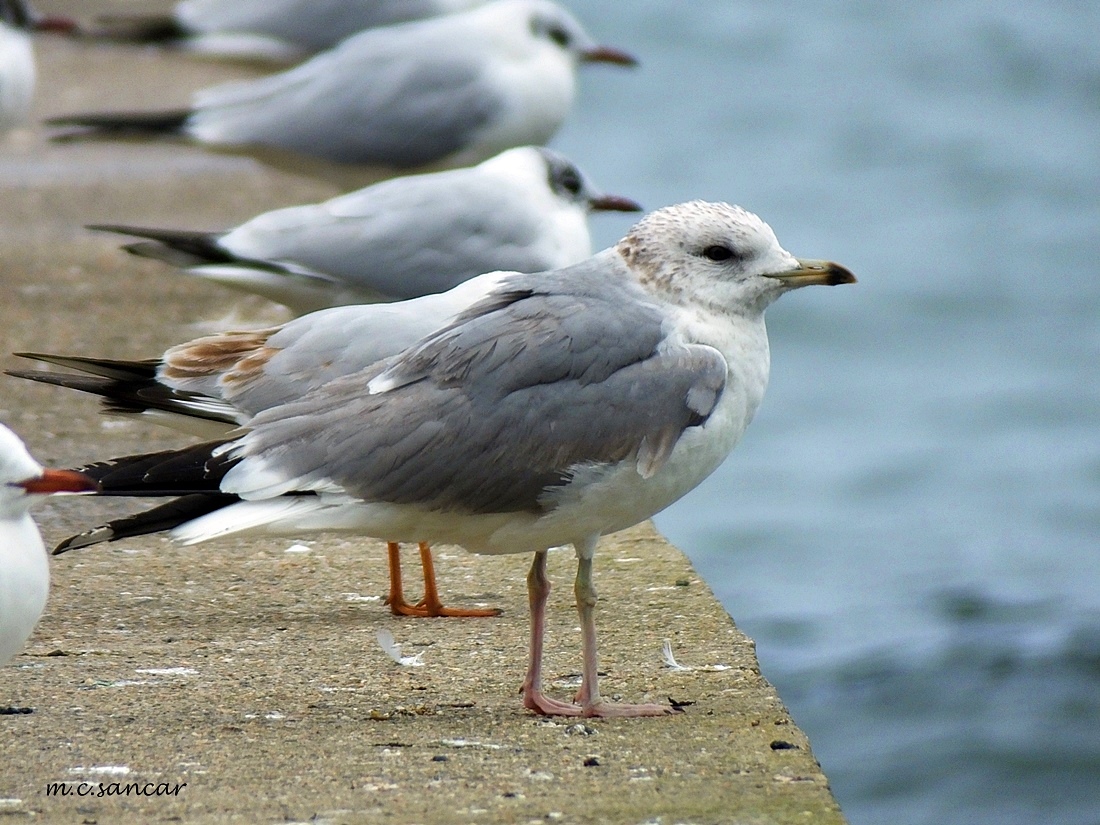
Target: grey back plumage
{"x": 577, "y": 369}
{"x": 312, "y": 25}
{"x": 318, "y": 109}
{"x": 423, "y": 234}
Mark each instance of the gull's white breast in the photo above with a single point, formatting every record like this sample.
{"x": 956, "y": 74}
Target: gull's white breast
{"x": 17, "y": 76}
{"x": 24, "y": 582}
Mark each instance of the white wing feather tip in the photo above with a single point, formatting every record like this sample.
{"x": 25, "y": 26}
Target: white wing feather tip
{"x": 392, "y": 649}
{"x": 672, "y": 664}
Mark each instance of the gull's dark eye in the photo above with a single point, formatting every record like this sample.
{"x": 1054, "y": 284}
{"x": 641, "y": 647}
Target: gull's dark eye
{"x": 17, "y": 15}
{"x": 570, "y": 181}
{"x": 559, "y": 36}
{"x": 718, "y": 253}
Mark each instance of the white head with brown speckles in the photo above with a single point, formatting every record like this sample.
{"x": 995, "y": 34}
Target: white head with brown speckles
{"x": 718, "y": 255}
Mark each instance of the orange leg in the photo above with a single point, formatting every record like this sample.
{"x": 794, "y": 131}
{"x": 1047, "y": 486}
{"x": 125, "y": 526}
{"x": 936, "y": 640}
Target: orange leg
{"x": 430, "y": 605}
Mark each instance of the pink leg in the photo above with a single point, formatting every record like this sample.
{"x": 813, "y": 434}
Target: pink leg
{"x": 588, "y": 699}
{"x": 538, "y": 591}
{"x": 589, "y": 695}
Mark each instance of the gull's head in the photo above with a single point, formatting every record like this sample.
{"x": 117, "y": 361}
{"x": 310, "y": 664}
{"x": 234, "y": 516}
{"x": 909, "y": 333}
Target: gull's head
{"x": 22, "y": 478}
{"x": 549, "y": 25}
{"x": 569, "y": 184}
{"x": 550, "y": 198}
{"x": 718, "y": 255}
{"x": 16, "y": 14}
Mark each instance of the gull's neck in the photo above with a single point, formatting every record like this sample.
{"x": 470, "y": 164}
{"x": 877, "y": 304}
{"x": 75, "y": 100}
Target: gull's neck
{"x": 735, "y": 328}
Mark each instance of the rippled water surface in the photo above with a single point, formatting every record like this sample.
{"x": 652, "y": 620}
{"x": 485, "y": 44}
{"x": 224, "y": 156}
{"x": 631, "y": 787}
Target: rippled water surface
{"x": 911, "y": 528}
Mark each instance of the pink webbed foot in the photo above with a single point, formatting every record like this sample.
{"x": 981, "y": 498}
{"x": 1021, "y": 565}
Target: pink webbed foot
{"x": 543, "y": 704}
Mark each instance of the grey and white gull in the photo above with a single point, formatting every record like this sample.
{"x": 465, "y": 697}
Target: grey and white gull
{"x": 214, "y": 384}
{"x": 439, "y": 93}
{"x": 268, "y": 30}
{"x": 524, "y": 210}
{"x": 560, "y": 407}
{"x": 24, "y": 567}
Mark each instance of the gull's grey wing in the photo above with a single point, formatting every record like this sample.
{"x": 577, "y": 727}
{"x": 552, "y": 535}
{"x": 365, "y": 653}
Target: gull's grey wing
{"x": 312, "y": 24}
{"x": 257, "y": 370}
{"x": 496, "y": 412}
{"x": 215, "y": 383}
{"x": 373, "y": 100}
{"x": 406, "y": 237}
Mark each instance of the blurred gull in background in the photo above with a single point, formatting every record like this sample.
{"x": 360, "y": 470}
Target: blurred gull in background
{"x": 17, "y": 68}
{"x": 17, "y": 71}
{"x": 444, "y": 92}
{"x": 278, "y": 30}
{"x": 524, "y": 210}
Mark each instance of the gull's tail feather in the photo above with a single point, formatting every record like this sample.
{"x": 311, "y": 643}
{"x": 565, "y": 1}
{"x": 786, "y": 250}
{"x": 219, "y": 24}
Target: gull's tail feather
{"x": 166, "y": 124}
{"x": 130, "y": 388}
{"x": 138, "y": 28}
{"x": 176, "y": 247}
{"x": 158, "y": 519}
{"x": 282, "y": 515}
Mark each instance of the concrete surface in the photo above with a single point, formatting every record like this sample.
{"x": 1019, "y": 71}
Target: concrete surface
{"x": 252, "y": 673}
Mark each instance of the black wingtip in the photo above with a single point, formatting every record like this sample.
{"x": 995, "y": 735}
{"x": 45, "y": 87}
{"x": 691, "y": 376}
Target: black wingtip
{"x": 83, "y": 383}
{"x": 97, "y": 535}
{"x": 154, "y": 520}
{"x": 120, "y": 124}
{"x": 159, "y": 29}
{"x": 112, "y": 368}
{"x": 181, "y": 248}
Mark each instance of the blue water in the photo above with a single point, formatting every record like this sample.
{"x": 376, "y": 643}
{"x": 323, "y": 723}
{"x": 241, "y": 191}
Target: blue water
{"x": 911, "y": 527}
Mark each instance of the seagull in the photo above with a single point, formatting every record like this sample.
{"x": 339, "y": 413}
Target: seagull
{"x": 17, "y": 70}
{"x": 525, "y": 209}
{"x": 561, "y": 407}
{"x": 271, "y": 30}
{"x": 217, "y": 383}
{"x": 24, "y": 571}
{"x": 444, "y": 92}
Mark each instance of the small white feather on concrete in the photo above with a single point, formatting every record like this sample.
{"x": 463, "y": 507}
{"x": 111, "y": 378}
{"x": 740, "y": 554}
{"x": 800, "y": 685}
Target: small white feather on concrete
{"x": 393, "y": 650}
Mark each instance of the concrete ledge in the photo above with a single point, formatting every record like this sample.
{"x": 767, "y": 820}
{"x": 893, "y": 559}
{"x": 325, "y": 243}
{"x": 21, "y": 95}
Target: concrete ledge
{"x": 254, "y": 675}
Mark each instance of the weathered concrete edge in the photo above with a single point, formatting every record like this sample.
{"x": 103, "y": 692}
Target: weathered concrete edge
{"x": 369, "y": 754}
